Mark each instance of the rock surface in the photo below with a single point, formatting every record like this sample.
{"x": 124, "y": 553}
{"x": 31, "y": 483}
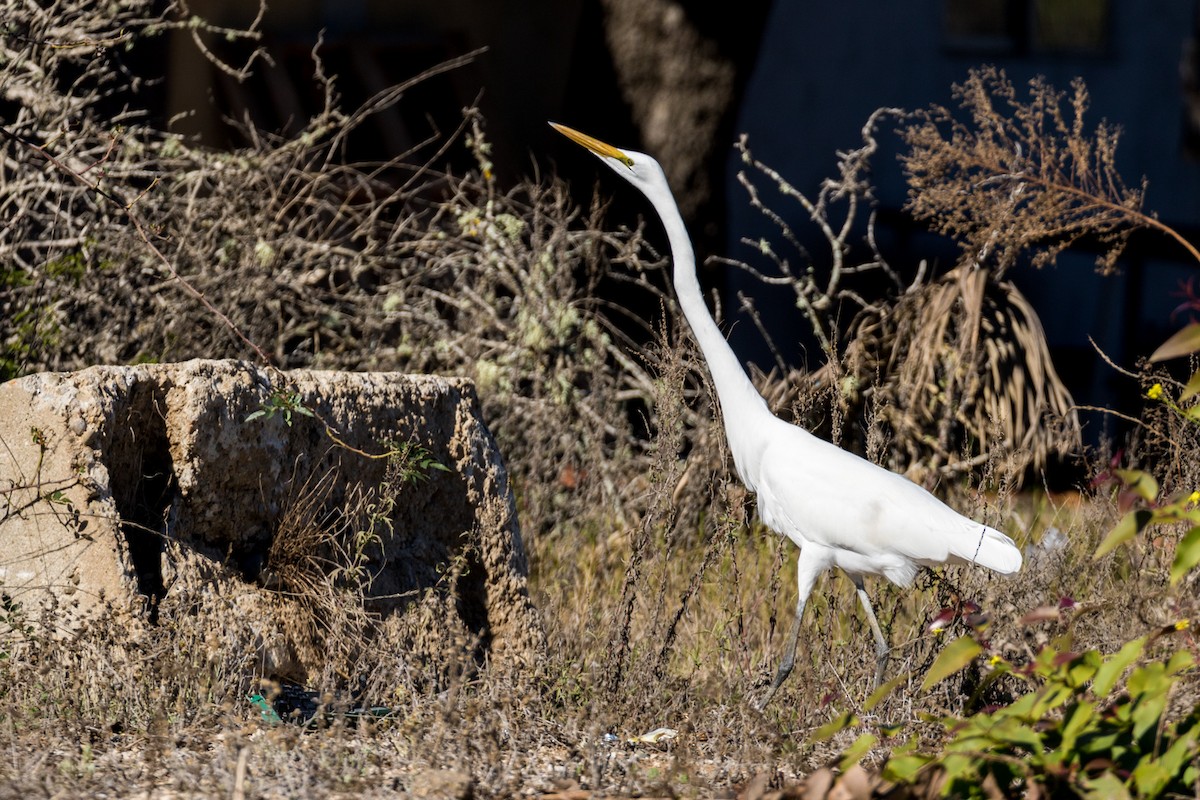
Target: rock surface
{"x": 141, "y": 489}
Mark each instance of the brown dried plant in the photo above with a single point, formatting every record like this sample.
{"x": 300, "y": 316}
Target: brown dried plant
{"x": 124, "y": 243}
{"x": 960, "y": 376}
{"x": 936, "y": 376}
{"x": 316, "y": 565}
{"x": 1017, "y": 176}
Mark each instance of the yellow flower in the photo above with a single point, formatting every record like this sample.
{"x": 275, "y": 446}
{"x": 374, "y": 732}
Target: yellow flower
{"x": 1194, "y": 498}
{"x": 1183, "y": 625}
{"x": 1156, "y": 391}
{"x": 994, "y": 660}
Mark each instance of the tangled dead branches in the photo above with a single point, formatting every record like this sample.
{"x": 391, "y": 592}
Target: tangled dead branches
{"x": 837, "y": 213}
{"x": 936, "y": 376}
{"x": 124, "y": 243}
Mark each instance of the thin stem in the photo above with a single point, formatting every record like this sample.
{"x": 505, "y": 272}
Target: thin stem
{"x": 126, "y": 208}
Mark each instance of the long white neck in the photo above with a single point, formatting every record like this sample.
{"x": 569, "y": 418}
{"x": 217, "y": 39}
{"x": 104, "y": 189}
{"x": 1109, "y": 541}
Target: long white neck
{"x": 742, "y": 407}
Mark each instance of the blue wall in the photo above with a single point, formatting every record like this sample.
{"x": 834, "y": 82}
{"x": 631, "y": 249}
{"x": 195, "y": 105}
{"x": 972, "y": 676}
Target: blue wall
{"x": 824, "y": 67}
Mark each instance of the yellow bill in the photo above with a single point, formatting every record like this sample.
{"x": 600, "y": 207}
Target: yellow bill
{"x": 595, "y": 145}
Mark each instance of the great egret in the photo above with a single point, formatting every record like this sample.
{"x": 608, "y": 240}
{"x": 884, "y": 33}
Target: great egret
{"x": 840, "y": 510}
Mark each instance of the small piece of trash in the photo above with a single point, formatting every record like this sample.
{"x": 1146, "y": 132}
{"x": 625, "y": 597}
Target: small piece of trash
{"x": 264, "y": 707}
{"x": 1052, "y": 541}
{"x": 609, "y": 739}
{"x": 656, "y": 736}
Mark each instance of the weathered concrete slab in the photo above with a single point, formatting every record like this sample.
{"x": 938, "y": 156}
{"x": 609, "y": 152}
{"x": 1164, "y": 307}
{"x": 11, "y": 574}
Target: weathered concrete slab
{"x": 145, "y": 487}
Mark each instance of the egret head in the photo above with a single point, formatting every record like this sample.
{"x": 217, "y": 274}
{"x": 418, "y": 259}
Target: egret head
{"x": 638, "y": 168}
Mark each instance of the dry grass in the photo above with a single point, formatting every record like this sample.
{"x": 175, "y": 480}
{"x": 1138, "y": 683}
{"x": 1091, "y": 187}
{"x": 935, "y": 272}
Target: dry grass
{"x": 165, "y": 708}
{"x": 663, "y": 603}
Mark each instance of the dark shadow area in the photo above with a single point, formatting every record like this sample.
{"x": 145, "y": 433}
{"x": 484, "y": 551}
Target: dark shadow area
{"x": 144, "y": 488}
{"x": 471, "y": 603}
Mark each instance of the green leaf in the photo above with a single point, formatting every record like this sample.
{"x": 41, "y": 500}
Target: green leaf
{"x": 973, "y": 736}
{"x": 1015, "y": 732}
{"x": 1187, "y": 555}
{"x": 1106, "y": 787}
{"x": 1081, "y": 670}
{"x": 1023, "y": 707}
{"x": 1129, "y": 526}
{"x": 1140, "y": 482}
{"x": 1115, "y": 665}
{"x": 1150, "y": 777}
{"x": 1077, "y": 719}
{"x": 1184, "y": 342}
{"x": 1055, "y": 695}
{"x": 1101, "y": 745}
{"x": 957, "y": 655}
{"x": 959, "y": 766}
{"x": 1180, "y": 661}
{"x": 1147, "y": 713}
{"x": 904, "y": 769}
{"x": 1181, "y": 752}
{"x": 835, "y": 726}
{"x": 1192, "y": 388}
{"x": 855, "y": 752}
{"x": 883, "y": 691}
{"x": 1148, "y": 679}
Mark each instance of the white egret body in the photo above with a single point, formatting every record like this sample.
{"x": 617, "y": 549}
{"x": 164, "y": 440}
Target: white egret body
{"x": 840, "y": 510}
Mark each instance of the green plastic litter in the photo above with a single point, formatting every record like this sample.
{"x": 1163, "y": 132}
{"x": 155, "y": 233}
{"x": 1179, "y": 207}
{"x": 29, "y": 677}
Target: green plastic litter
{"x": 271, "y": 716}
{"x": 264, "y": 706}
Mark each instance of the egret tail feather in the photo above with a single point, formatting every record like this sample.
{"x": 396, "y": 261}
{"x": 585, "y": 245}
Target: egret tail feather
{"x": 992, "y": 549}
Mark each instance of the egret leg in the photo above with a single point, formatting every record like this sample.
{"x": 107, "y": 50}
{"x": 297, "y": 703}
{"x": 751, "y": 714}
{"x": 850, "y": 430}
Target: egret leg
{"x": 789, "y": 658}
{"x": 881, "y": 645}
{"x": 807, "y": 570}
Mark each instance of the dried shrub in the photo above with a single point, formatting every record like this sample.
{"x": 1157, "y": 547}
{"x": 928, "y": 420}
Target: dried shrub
{"x": 960, "y": 375}
{"x": 1019, "y": 177}
{"x": 281, "y": 251}
{"x": 936, "y": 376}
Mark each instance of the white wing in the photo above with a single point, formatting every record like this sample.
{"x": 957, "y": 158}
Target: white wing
{"x": 876, "y": 521}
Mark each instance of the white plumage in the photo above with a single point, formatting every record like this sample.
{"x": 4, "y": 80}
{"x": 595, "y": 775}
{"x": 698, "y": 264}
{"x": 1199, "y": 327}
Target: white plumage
{"x": 872, "y": 520}
{"x": 840, "y": 510}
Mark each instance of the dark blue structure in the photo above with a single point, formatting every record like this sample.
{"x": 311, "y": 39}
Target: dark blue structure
{"x": 824, "y": 67}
